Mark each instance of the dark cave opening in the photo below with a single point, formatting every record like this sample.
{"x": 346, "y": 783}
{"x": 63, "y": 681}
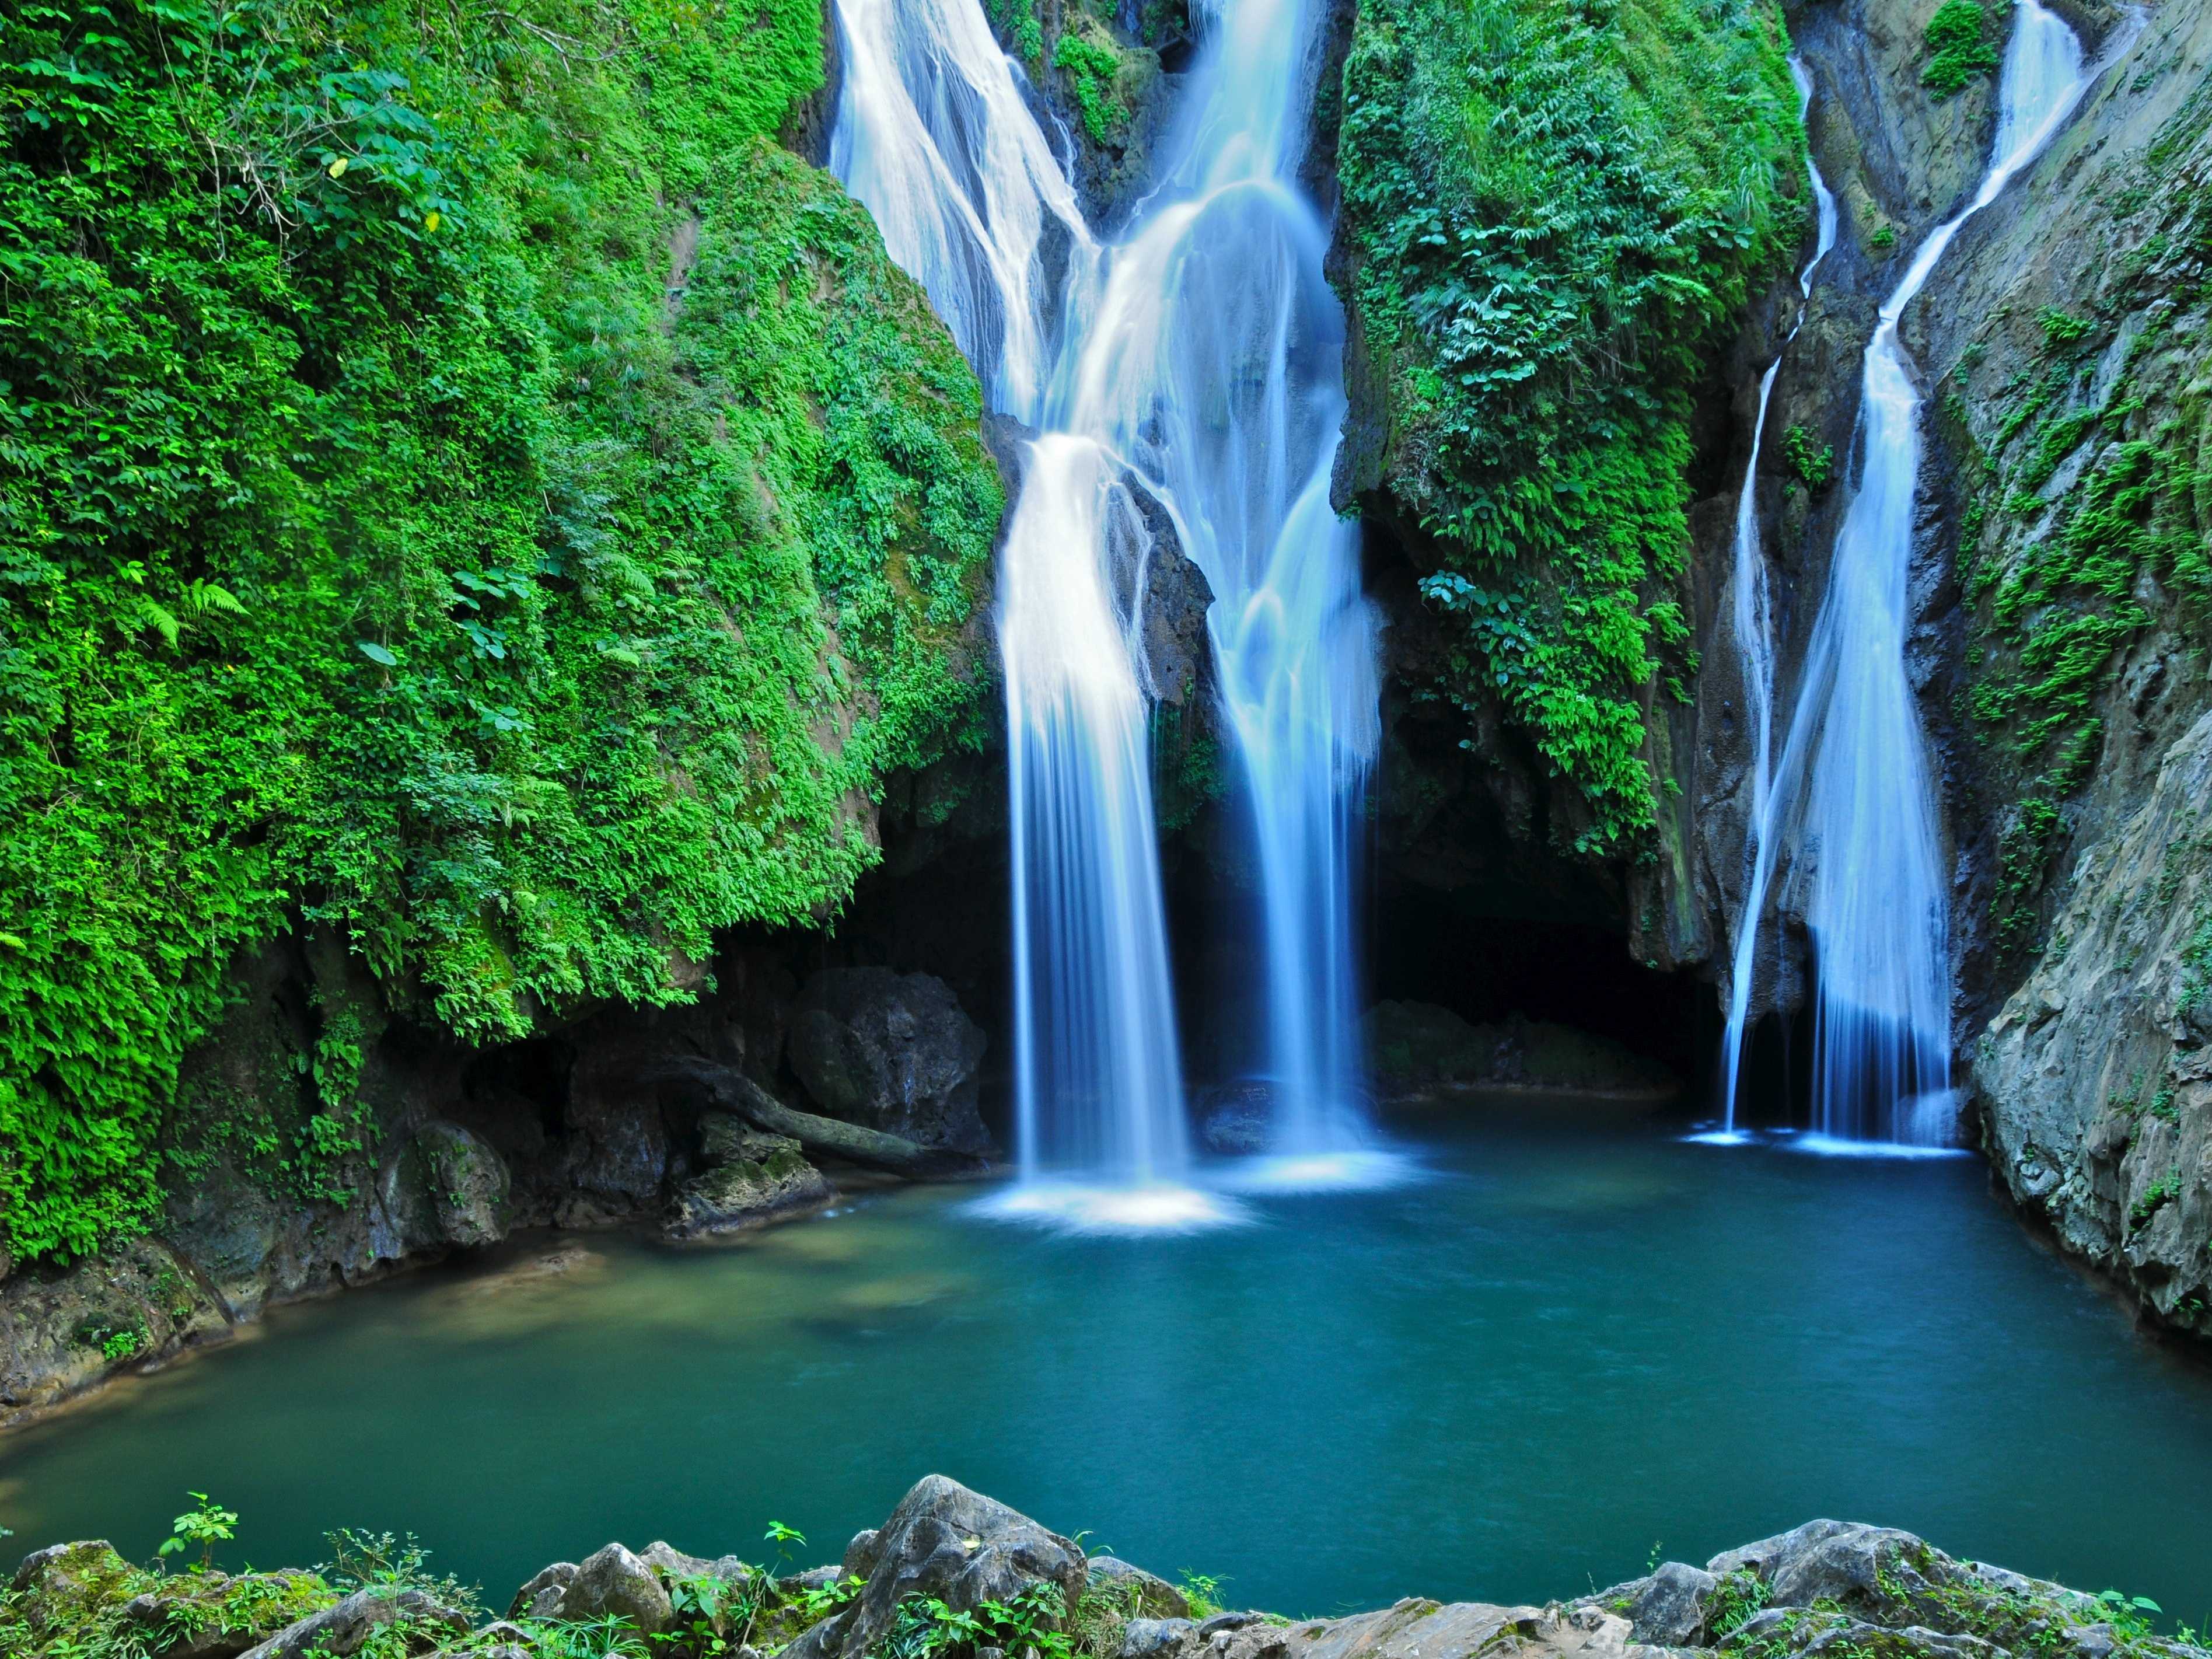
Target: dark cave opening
{"x": 1425, "y": 948}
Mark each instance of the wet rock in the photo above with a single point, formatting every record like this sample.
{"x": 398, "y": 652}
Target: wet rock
{"x": 950, "y": 1543}
{"x": 892, "y": 1052}
{"x": 612, "y": 1582}
{"x": 752, "y": 1177}
{"x": 1236, "y": 1119}
{"x": 2094, "y": 1097}
{"x": 444, "y": 1187}
{"x": 63, "y": 1329}
{"x": 1147, "y": 1595}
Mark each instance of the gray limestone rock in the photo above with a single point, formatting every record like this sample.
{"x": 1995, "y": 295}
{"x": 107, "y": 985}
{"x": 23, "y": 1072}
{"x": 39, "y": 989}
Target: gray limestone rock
{"x": 950, "y": 1543}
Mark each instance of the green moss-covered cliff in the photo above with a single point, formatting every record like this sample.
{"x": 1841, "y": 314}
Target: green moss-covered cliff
{"x": 460, "y": 483}
{"x": 1555, "y": 212}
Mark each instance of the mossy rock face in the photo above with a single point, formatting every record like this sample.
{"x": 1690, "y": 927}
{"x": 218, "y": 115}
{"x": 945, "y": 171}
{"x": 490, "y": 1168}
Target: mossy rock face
{"x": 1553, "y": 212}
{"x": 1420, "y": 1051}
{"x": 753, "y": 1178}
{"x": 68, "y": 1588}
{"x": 218, "y": 1615}
{"x": 601, "y": 520}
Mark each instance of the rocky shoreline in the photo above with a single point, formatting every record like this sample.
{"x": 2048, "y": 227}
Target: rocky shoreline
{"x": 953, "y": 1573}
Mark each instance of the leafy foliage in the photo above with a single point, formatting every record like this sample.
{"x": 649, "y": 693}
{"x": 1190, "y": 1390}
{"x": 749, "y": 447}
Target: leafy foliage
{"x": 1814, "y": 467}
{"x": 459, "y": 482}
{"x": 1958, "y": 47}
{"x": 1555, "y": 204}
{"x": 1030, "y": 1622}
{"x": 207, "y": 1523}
{"x": 1093, "y": 68}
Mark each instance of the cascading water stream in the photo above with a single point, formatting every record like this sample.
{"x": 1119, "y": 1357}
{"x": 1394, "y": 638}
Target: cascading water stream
{"x": 1869, "y": 847}
{"x": 1199, "y": 362}
{"x": 1214, "y": 368}
{"x": 1754, "y": 619}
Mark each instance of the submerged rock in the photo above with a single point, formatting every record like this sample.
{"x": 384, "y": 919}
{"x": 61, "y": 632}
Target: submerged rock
{"x": 890, "y": 1051}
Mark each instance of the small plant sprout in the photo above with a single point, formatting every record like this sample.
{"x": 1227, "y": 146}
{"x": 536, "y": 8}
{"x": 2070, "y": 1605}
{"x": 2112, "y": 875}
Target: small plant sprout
{"x": 207, "y": 1523}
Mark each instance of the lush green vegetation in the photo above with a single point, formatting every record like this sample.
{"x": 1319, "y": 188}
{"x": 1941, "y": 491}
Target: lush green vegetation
{"x": 1959, "y": 49}
{"x": 95, "y": 1605}
{"x": 1556, "y": 205}
{"x": 459, "y": 483}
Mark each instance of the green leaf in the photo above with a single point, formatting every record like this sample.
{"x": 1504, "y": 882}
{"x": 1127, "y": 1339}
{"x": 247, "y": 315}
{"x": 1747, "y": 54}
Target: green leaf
{"x": 377, "y": 653}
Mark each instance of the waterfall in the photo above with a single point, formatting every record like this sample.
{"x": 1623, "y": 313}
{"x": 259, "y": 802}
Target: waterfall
{"x": 1868, "y": 846}
{"x": 1215, "y": 368}
{"x": 1753, "y": 617}
{"x": 1199, "y": 363}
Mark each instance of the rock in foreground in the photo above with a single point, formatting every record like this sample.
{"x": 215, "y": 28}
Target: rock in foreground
{"x": 954, "y": 1575}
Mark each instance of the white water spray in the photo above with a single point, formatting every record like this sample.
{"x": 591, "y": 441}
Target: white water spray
{"x": 1869, "y": 847}
{"x": 1200, "y": 361}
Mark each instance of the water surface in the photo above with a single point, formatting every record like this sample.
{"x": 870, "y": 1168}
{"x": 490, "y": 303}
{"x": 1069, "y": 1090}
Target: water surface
{"x": 1510, "y": 1381}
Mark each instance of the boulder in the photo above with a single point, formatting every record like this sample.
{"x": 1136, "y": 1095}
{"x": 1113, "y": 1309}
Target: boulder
{"x": 1856, "y": 1576}
{"x": 1237, "y": 1119}
{"x": 1425, "y": 1630}
{"x": 1149, "y": 1638}
{"x": 946, "y": 1542}
{"x": 670, "y": 1562}
{"x": 66, "y": 1588}
{"x": 213, "y": 1615}
{"x": 539, "y": 1597}
{"x": 444, "y": 1186}
{"x": 889, "y": 1051}
{"x": 64, "y": 1329}
{"x": 1145, "y": 1594}
{"x": 498, "y": 1640}
{"x": 613, "y": 1581}
{"x": 343, "y": 1629}
{"x": 752, "y": 1176}
{"x": 1666, "y": 1608}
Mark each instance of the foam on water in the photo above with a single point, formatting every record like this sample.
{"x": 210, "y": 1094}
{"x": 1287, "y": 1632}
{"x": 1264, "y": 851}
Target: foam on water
{"x": 1369, "y": 1169}
{"x": 1149, "y": 1207}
